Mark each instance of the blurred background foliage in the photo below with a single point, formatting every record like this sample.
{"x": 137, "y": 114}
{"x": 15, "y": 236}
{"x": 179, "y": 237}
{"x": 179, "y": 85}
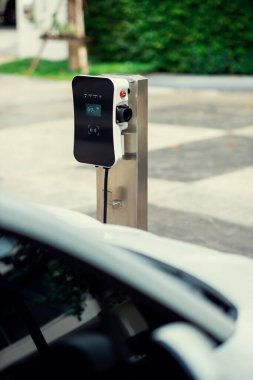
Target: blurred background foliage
{"x": 188, "y": 36}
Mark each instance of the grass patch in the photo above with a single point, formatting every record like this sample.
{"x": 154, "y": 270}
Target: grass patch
{"x": 59, "y": 69}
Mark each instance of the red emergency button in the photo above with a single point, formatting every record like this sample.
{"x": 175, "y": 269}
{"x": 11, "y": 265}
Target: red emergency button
{"x": 122, "y": 93}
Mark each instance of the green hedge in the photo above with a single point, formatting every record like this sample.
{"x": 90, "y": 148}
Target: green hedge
{"x": 188, "y": 36}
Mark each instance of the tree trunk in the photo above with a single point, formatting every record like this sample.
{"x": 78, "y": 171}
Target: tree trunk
{"x": 78, "y": 56}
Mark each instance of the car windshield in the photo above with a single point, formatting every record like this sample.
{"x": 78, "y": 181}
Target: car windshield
{"x": 47, "y": 285}
{"x": 41, "y": 286}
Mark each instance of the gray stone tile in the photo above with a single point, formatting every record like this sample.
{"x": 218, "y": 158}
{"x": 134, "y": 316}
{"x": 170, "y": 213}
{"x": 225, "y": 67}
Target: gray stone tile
{"x": 201, "y": 230}
{"x": 202, "y": 159}
{"x": 191, "y": 81}
{"x": 31, "y": 114}
{"x": 212, "y": 115}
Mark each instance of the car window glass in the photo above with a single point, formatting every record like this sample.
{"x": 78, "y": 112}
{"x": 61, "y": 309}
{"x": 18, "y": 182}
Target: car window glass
{"x": 55, "y": 289}
{"x": 48, "y": 286}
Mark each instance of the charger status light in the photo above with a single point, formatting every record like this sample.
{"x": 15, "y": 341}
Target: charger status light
{"x": 122, "y": 94}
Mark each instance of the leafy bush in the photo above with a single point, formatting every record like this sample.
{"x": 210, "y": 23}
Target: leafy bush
{"x": 212, "y": 36}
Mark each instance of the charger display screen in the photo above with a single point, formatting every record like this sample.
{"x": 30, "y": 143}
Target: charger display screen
{"x": 93, "y": 109}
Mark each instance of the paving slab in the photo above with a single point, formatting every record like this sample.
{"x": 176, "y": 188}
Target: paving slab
{"x": 201, "y": 159}
{"x": 216, "y": 82}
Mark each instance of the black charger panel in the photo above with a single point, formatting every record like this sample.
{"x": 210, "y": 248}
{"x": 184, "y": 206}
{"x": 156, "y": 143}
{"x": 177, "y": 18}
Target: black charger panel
{"x": 93, "y": 120}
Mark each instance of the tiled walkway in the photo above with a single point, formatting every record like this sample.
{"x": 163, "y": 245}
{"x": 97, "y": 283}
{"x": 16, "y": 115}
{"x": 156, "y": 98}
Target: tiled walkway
{"x": 201, "y": 167}
{"x": 200, "y": 158}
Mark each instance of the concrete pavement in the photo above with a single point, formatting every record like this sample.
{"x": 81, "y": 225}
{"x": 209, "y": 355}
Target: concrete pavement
{"x": 203, "y": 82}
{"x": 200, "y": 157}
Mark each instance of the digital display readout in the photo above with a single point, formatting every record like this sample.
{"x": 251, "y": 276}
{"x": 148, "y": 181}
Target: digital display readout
{"x": 93, "y": 110}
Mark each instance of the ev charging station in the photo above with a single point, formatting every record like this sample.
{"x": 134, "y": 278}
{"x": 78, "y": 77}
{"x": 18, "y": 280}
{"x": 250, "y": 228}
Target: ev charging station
{"x": 110, "y": 122}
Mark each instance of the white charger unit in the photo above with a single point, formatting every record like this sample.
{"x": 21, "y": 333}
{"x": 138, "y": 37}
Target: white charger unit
{"x": 101, "y": 113}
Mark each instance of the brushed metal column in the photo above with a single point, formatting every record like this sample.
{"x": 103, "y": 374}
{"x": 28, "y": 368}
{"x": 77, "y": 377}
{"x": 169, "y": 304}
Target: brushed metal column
{"x": 127, "y": 181}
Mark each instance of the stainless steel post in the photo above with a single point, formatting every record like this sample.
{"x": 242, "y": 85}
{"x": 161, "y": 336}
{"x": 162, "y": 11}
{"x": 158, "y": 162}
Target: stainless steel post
{"x": 127, "y": 181}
